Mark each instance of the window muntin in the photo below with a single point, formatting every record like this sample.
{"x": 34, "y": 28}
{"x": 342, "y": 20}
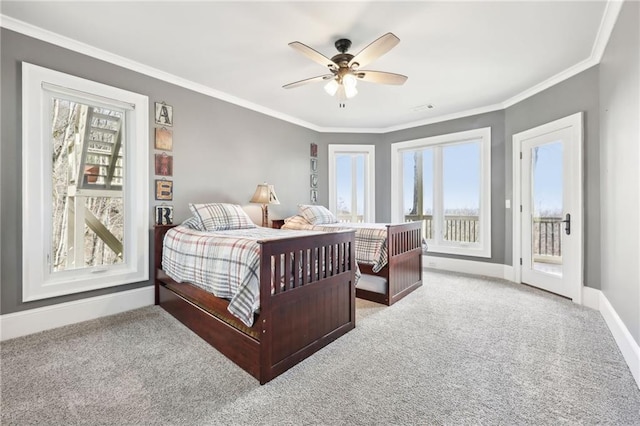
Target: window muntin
{"x": 65, "y": 184}
{"x": 351, "y": 182}
{"x": 445, "y": 181}
{"x": 87, "y": 176}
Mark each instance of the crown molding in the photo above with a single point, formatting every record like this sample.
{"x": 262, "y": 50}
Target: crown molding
{"x": 609, "y": 18}
{"x": 103, "y": 55}
{"x": 607, "y": 23}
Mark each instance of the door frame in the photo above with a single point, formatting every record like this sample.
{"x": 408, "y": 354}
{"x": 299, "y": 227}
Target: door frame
{"x": 575, "y": 123}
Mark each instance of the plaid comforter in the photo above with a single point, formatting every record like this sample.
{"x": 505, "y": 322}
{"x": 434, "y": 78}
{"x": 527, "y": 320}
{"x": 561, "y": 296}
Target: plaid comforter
{"x": 371, "y": 240}
{"x": 224, "y": 263}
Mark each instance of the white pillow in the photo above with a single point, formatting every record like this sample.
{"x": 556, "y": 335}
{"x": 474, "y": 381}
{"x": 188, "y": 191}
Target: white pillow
{"x": 316, "y": 215}
{"x": 221, "y": 216}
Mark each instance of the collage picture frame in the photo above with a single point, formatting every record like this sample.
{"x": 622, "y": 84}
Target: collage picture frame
{"x": 163, "y": 162}
{"x": 313, "y": 178}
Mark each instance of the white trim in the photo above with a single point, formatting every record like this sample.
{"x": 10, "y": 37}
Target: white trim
{"x": 94, "y": 52}
{"x": 486, "y": 269}
{"x": 369, "y": 152}
{"x": 438, "y": 245}
{"x": 40, "y": 319}
{"x": 607, "y": 24}
{"x": 627, "y": 345}
{"x": 575, "y": 122}
{"x": 38, "y": 279}
{"x": 591, "y": 298}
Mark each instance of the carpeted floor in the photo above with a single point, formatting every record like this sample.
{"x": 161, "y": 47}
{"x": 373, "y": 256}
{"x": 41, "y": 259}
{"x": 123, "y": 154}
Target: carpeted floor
{"x": 460, "y": 350}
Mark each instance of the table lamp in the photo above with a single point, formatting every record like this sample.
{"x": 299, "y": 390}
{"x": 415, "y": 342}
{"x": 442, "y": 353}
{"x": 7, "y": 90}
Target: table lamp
{"x": 265, "y": 195}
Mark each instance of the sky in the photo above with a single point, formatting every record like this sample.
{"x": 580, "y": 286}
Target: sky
{"x": 547, "y": 178}
{"x": 344, "y": 164}
{"x": 461, "y": 178}
{"x": 460, "y": 174}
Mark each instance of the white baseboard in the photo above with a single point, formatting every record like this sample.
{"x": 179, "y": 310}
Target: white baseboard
{"x": 494, "y": 270}
{"x": 628, "y": 346}
{"x": 591, "y": 298}
{"x": 40, "y": 319}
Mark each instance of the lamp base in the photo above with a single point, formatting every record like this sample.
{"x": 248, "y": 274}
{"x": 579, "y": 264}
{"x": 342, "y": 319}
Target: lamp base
{"x": 265, "y": 216}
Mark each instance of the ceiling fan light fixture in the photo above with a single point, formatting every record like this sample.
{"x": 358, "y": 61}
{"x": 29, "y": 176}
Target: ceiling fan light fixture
{"x": 349, "y": 80}
{"x": 345, "y": 67}
{"x": 350, "y": 91}
{"x": 331, "y": 87}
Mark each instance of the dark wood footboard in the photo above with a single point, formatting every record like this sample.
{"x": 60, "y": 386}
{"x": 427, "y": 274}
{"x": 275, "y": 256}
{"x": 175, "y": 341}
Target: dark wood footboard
{"x": 307, "y": 309}
{"x": 403, "y": 272}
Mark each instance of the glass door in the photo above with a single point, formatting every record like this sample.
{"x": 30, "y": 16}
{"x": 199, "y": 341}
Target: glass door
{"x": 546, "y": 211}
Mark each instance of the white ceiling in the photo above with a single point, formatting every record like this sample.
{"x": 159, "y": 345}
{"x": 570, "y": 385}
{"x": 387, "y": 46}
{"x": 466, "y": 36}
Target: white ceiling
{"x": 461, "y": 57}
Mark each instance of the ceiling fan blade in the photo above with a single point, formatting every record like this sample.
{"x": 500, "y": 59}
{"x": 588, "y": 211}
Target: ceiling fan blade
{"x": 313, "y": 54}
{"x": 374, "y": 50}
{"x": 309, "y": 80}
{"x": 381, "y": 77}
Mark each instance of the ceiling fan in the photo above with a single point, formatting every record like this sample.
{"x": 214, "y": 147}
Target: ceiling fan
{"x": 345, "y": 67}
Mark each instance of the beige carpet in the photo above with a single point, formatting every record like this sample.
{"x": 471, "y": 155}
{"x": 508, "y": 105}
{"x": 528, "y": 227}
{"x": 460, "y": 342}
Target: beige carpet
{"x": 460, "y": 350}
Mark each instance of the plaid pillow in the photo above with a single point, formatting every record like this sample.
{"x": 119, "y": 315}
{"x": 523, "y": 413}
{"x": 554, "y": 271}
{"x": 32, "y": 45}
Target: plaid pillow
{"x": 193, "y": 223}
{"x": 316, "y": 215}
{"x": 296, "y": 222}
{"x": 221, "y": 216}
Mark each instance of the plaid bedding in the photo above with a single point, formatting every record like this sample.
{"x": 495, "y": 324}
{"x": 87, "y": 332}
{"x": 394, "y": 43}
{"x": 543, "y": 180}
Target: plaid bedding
{"x": 224, "y": 263}
{"x": 371, "y": 239}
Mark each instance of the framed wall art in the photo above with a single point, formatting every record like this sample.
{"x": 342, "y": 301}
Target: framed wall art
{"x": 164, "y": 139}
{"x": 164, "y": 164}
{"x": 163, "y": 215}
{"x": 164, "y": 189}
{"x": 164, "y": 114}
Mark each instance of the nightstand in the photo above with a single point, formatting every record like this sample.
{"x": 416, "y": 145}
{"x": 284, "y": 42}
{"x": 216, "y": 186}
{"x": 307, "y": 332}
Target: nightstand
{"x": 277, "y": 223}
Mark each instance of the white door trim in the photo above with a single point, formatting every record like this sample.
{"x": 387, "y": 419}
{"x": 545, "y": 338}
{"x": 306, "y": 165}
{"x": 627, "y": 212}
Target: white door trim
{"x": 574, "y": 122}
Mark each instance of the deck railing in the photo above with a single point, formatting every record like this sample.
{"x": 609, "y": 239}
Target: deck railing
{"x": 547, "y": 232}
{"x": 342, "y": 218}
{"x": 456, "y": 228}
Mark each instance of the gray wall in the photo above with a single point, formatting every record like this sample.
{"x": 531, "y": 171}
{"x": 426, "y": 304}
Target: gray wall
{"x": 579, "y": 93}
{"x": 221, "y": 152}
{"x": 619, "y": 168}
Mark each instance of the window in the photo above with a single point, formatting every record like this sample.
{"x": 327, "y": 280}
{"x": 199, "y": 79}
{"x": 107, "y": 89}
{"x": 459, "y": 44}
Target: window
{"x": 446, "y": 181}
{"x": 85, "y": 185}
{"x": 352, "y": 182}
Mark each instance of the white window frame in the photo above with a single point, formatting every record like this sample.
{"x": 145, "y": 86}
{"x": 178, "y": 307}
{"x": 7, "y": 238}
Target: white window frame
{"x": 438, "y": 244}
{"x": 39, "y": 85}
{"x": 369, "y": 152}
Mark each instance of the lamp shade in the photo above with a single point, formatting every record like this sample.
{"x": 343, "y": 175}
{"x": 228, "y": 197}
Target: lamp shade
{"x": 265, "y": 194}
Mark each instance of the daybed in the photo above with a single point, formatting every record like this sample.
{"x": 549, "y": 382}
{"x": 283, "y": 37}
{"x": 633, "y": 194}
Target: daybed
{"x": 306, "y": 300}
{"x": 389, "y": 255}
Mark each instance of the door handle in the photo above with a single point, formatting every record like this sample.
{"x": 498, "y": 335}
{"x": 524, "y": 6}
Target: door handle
{"x": 567, "y": 224}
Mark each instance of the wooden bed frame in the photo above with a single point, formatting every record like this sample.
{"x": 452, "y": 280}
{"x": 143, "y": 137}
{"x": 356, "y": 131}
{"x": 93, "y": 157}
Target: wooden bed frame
{"x": 309, "y": 312}
{"x": 403, "y": 272}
